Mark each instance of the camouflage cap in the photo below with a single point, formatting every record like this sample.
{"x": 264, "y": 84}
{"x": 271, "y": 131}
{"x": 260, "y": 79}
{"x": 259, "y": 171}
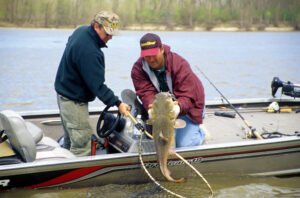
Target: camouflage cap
{"x": 109, "y": 21}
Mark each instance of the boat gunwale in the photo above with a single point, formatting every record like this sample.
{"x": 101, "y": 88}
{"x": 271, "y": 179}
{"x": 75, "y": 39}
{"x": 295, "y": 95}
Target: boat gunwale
{"x": 208, "y": 103}
{"x": 81, "y": 162}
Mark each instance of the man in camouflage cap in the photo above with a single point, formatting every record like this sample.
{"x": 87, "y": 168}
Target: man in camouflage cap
{"x": 109, "y": 21}
{"x": 80, "y": 79}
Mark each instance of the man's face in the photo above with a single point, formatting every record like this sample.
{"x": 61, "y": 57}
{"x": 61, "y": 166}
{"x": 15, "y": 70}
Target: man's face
{"x": 157, "y": 61}
{"x": 102, "y": 33}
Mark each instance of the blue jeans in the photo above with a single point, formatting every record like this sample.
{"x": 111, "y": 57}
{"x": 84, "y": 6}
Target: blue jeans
{"x": 190, "y": 135}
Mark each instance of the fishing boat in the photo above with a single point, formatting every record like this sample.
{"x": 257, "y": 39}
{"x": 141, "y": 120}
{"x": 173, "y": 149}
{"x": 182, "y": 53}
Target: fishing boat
{"x": 31, "y": 155}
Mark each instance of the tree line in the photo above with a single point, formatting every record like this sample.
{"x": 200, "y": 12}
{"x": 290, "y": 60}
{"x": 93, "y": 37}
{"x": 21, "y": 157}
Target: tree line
{"x": 244, "y": 14}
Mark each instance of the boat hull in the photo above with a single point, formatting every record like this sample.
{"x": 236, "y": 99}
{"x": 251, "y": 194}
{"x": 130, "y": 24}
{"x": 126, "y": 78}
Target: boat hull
{"x": 276, "y": 157}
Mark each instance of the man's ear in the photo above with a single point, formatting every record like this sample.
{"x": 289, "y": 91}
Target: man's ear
{"x": 162, "y": 49}
{"x": 95, "y": 26}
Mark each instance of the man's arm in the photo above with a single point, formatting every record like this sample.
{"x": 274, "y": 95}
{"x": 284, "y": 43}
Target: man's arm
{"x": 93, "y": 72}
{"x": 183, "y": 86}
{"x": 142, "y": 84}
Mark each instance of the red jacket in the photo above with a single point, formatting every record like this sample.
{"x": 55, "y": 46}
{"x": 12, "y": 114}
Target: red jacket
{"x": 185, "y": 85}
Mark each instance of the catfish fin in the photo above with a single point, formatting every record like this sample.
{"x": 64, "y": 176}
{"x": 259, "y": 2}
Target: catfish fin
{"x": 163, "y": 137}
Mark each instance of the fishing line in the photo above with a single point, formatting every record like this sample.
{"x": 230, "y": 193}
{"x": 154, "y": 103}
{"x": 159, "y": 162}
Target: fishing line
{"x": 142, "y": 131}
{"x": 253, "y": 130}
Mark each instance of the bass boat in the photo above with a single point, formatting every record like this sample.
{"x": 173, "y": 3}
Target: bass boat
{"x": 31, "y": 156}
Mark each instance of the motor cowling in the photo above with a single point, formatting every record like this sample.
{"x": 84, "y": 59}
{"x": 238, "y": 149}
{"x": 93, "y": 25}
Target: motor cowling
{"x": 288, "y": 88}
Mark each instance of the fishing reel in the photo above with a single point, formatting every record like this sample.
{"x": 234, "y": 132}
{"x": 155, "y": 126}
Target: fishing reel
{"x": 288, "y": 88}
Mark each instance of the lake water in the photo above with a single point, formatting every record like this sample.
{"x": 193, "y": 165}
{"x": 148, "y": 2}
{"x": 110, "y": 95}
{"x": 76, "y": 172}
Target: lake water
{"x": 240, "y": 64}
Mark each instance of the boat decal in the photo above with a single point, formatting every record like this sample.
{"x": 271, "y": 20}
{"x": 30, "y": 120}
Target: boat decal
{"x": 175, "y": 162}
{"x": 4, "y": 182}
{"x": 67, "y": 177}
{"x": 98, "y": 172}
{"x": 225, "y": 156}
{"x": 81, "y": 174}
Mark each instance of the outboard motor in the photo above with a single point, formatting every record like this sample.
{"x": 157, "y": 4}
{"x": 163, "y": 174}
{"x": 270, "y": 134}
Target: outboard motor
{"x": 288, "y": 88}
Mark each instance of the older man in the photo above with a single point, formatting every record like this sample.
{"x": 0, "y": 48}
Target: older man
{"x": 80, "y": 79}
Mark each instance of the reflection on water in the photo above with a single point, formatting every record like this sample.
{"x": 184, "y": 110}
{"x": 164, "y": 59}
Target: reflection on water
{"x": 224, "y": 187}
{"x": 240, "y": 64}
{"x": 259, "y": 190}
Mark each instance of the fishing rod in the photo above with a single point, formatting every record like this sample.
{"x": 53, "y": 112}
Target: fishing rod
{"x": 252, "y": 129}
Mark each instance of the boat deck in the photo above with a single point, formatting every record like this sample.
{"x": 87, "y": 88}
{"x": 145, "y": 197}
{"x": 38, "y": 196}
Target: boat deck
{"x": 224, "y": 129}
{"x": 219, "y": 129}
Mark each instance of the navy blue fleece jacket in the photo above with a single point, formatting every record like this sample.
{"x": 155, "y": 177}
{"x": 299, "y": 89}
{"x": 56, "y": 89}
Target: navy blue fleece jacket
{"x": 81, "y": 72}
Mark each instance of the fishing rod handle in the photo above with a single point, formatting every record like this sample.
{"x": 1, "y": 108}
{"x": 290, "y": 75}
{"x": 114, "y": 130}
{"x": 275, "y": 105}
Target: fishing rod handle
{"x": 258, "y": 136}
{"x": 132, "y": 118}
{"x": 253, "y": 130}
{"x": 138, "y": 125}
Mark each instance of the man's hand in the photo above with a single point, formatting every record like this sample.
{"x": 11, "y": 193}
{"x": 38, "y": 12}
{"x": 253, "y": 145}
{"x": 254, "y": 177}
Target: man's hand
{"x": 176, "y": 109}
{"x": 124, "y": 108}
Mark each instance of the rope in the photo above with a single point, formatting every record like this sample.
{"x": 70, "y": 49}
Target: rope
{"x": 149, "y": 175}
{"x": 179, "y": 156}
{"x": 276, "y": 134}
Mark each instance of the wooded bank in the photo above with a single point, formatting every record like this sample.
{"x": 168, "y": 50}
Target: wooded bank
{"x": 161, "y": 14}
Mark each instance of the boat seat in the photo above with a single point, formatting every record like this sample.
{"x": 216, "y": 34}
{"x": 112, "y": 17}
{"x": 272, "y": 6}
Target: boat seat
{"x": 28, "y": 140}
{"x": 49, "y": 149}
{"x": 46, "y": 147}
{"x": 19, "y": 136}
{"x": 35, "y": 131}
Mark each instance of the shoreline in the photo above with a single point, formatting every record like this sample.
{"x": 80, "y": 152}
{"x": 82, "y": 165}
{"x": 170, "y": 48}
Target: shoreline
{"x": 175, "y": 29}
{"x": 214, "y": 29}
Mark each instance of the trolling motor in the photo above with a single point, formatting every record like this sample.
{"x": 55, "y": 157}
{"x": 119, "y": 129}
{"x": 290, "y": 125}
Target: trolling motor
{"x": 288, "y": 88}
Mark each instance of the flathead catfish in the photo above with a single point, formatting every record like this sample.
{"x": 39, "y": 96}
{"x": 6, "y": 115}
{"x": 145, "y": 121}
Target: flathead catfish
{"x": 162, "y": 118}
